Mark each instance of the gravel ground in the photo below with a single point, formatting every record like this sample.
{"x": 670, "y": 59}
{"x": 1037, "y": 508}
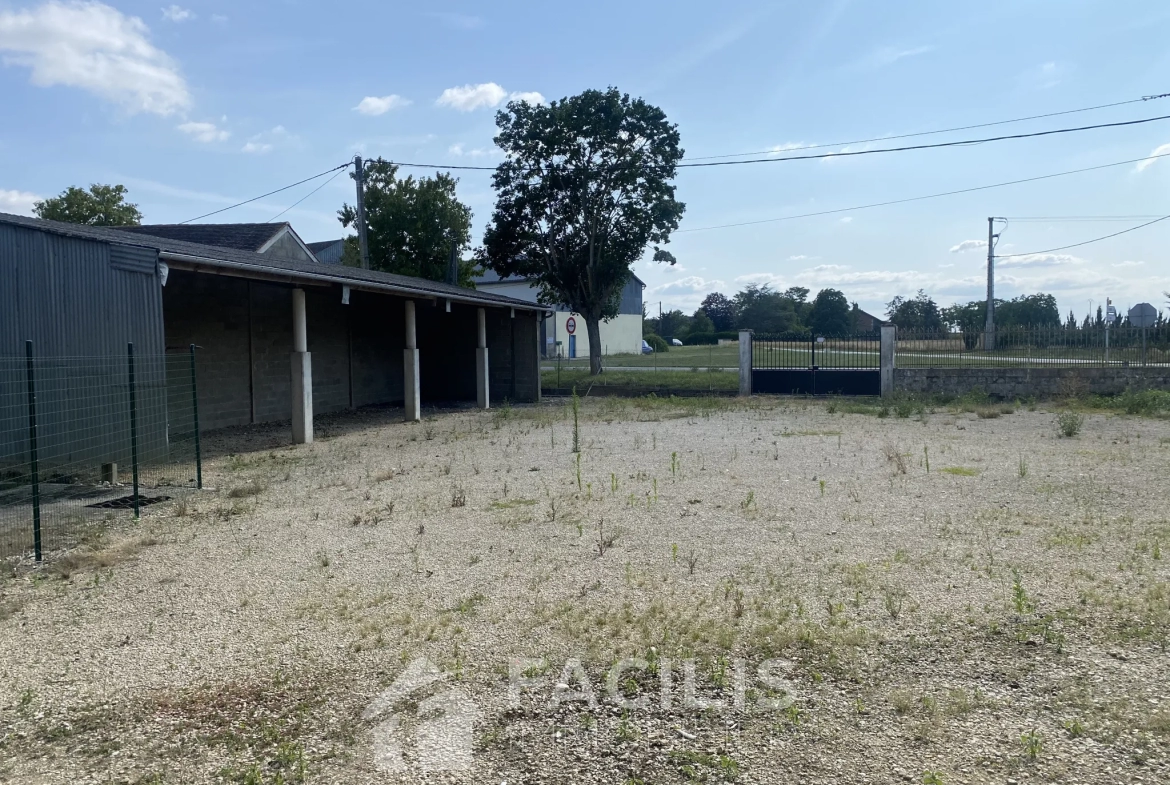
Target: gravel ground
{"x": 955, "y": 597}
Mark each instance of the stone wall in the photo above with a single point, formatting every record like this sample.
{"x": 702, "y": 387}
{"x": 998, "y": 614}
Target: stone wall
{"x": 1011, "y": 383}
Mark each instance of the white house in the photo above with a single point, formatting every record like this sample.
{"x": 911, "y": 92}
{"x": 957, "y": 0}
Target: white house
{"x": 620, "y": 335}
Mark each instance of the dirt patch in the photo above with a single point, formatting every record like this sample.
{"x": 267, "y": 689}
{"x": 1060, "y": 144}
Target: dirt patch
{"x": 790, "y": 592}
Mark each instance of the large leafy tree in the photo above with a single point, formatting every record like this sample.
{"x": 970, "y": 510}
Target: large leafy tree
{"x": 829, "y": 314}
{"x": 101, "y": 205}
{"x": 919, "y": 313}
{"x": 411, "y": 224}
{"x": 585, "y": 187}
{"x": 720, "y": 310}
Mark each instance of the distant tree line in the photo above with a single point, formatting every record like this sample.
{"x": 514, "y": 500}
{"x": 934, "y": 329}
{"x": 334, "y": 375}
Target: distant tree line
{"x": 760, "y": 309}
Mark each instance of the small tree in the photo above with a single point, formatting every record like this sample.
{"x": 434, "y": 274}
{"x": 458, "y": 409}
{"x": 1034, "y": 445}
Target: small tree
{"x": 584, "y": 188}
{"x": 829, "y": 314}
{"x": 101, "y": 205}
{"x": 411, "y": 224}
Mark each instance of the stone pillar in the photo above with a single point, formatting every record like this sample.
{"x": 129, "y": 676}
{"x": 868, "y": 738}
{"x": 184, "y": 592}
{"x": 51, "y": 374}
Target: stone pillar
{"x": 745, "y": 362}
{"x": 889, "y": 341}
{"x": 302, "y": 373}
{"x": 481, "y": 360}
{"x": 410, "y": 381}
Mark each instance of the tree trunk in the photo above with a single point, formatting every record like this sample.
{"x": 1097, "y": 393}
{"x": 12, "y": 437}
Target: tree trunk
{"x": 593, "y": 327}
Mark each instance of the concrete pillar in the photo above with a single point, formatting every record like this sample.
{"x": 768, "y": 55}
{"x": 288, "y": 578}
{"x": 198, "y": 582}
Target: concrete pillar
{"x": 889, "y": 341}
{"x": 410, "y": 380}
{"x": 745, "y": 362}
{"x": 302, "y": 373}
{"x": 481, "y": 360}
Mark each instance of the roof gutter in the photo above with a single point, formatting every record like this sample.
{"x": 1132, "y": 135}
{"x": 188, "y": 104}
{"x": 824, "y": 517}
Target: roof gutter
{"x": 188, "y": 261}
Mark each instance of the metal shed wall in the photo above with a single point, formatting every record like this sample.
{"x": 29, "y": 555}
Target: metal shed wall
{"x": 80, "y": 302}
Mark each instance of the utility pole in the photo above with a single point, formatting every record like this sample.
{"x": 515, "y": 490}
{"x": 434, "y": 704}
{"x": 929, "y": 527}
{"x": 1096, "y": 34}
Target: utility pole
{"x": 989, "y": 325}
{"x": 453, "y": 266}
{"x": 363, "y": 242}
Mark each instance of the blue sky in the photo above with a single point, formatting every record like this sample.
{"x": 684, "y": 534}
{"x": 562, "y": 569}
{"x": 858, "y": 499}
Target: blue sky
{"x": 199, "y": 105}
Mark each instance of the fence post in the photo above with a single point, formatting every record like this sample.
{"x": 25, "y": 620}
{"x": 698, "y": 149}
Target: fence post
{"x": 195, "y": 417}
{"x": 745, "y": 362}
{"x": 889, "y": 341}
{"x": 32, "y": 450}
{"x": 133, "y": 424}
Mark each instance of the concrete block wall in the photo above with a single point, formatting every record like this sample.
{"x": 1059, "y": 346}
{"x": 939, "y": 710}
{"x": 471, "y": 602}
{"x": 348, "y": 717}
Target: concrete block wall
{"x": 1011, "y": 383}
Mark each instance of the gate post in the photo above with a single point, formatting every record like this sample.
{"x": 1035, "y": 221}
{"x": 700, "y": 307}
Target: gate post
{"x": 889, "y": 339}
{"x": 745, "y": 362}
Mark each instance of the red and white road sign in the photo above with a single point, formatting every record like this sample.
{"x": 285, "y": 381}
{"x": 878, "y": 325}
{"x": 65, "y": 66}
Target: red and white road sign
{"x": 570, "y": 325}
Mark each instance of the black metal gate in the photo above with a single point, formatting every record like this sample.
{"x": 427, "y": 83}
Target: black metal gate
{"x": 804, "y": 364}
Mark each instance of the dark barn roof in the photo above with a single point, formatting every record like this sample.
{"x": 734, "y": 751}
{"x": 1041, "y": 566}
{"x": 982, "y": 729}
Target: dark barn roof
{"x": 242, "y": 237}
{"x": 328, "y": 251}
{"x": 188, "y": 255}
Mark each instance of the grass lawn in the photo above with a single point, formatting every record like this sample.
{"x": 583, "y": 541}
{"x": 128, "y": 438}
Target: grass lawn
{"x": 567, "y": 378}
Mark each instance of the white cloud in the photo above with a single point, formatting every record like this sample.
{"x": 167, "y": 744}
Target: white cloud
{"x": 266, "y": 141}
{"x": 18, "y": 202}
{"x": 204, "y": 132}
{"x": 1160, "y": 150}
{"x": 469, "y": 97}
{"x": 374, "y": 106}
{"x": 1127, "y": 264}
{"x": 174, "y": 13}
{"x": 692, "y": 284}
{"x": 760, "y": 279}
{"x": 531, "y": 97}
{"x": 776, "y": 149}
{"x": 91, "y": 46}
{"x": 888, "y": 55}
{"x": 459, "y": 151}
{"x": 799, "y": 257}
{"x": 846, "y": 220}
{"x": 219, "y": 18}
{"x": 968, "y": 245}
{"x": 1039, "y": 259}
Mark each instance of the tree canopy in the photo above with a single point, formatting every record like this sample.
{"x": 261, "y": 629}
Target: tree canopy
{"x": 829, "y": 314}
{"x": 919, "y": 313}
{"x": 585, "y": 187}
{"x": 411, "y": 223}
{"x": 720, "y": 310}
{"x": 101, "y": 205}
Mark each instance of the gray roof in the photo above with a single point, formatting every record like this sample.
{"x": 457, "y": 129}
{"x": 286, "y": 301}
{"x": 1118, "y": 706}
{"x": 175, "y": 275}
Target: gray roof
{"x": 242, "y": 237}
{"x": 265, "y": 266}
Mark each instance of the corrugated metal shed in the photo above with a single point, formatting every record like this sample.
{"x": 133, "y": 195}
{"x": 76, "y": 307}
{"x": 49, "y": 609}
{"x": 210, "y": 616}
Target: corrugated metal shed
{"x": 76, "y": 298}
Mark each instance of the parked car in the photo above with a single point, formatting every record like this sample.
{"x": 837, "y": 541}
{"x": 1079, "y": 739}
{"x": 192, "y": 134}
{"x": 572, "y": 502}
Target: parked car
{"x": 647, "y": 348}
{"x": 675, "y": 342}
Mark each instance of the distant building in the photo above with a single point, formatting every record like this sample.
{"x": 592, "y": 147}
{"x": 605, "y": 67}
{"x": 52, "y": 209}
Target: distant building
{"x": 276, "y": 239}
{"x": 328, "y": 251}
{"x": 620, "y": 335}
{"x": 865, "y": 322}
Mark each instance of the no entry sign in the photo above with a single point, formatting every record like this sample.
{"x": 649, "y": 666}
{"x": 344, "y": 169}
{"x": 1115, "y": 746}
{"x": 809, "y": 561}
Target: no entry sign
{"x": 570, "y": 325}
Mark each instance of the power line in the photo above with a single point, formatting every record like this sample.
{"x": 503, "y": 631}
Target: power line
{"x": 945, "y": 130}
{"x": 306, "y": 196}
{"x": 1079, "y": 218}
{"x": 849, "y": 153}
{"x": 936, "y": 145}
{"x": 922, "y": 198}
{"x": 1086, "y": 242}
{"x": 270, "y": 193}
